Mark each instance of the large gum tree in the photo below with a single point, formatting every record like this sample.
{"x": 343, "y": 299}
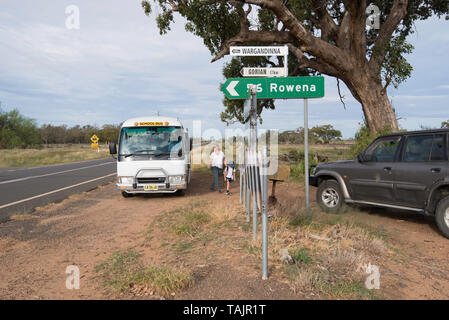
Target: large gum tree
{"x": 324, "y": 37}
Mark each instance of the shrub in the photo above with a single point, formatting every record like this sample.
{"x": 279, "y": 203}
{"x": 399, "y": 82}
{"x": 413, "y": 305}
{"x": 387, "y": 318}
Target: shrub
{"x": 363, "y": 137}
{"x": 298, "y": 163}
{"x": 16, "y": 131}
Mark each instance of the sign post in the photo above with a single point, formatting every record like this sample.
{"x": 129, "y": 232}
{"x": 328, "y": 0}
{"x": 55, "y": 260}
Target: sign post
{"x": 275, "y": 85}
{"x": 306, "y": 154}
{"x": 94, "y": 144}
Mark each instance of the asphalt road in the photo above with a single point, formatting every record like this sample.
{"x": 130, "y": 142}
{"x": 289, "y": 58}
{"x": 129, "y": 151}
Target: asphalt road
{"x": 23, "y": 189}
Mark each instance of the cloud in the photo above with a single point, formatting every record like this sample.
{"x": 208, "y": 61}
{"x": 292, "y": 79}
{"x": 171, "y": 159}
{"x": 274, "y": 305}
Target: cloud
{"x": 117, "y": 66}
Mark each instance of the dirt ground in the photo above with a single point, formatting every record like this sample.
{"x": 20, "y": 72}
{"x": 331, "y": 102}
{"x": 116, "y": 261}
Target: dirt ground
{"x": 85, "y": 229}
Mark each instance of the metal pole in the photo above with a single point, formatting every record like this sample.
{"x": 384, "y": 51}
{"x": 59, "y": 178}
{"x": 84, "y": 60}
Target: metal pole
{"x": 253, "y": 152}
{"x": 240, "y": 181}
{"x": 264, "y": 178}
{"x": 248, "y": 194}
{"x": 306, "y": 155}
{"x": 254, "y": 217}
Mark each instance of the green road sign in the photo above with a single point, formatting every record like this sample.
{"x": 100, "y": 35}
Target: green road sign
{"x": 275, "y": 88}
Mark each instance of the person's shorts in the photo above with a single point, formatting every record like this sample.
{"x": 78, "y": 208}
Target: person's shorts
{"x": 230, "y": 179}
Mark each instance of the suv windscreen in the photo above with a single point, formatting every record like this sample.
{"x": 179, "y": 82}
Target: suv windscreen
{"x": 424, "y": 148}
{"x": 383, "y": 150}
{"x": 156, "y": 141}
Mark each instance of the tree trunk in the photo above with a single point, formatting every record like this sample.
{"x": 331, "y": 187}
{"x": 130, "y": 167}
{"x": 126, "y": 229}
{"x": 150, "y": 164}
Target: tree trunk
{"x": 379, "y": 114}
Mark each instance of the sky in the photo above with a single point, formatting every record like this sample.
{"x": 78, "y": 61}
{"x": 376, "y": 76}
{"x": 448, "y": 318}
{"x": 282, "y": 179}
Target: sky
{"x": 117, "y": 66}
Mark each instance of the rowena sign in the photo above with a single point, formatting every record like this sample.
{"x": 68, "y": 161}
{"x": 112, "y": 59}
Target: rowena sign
{"x": 275, "y": 88}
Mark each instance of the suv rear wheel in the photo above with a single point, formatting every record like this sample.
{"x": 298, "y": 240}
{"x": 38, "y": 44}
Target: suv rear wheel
{"x": 442, "y": 216}
{"x": 329, "y": 196}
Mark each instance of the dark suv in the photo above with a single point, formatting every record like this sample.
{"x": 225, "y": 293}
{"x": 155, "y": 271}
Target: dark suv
{"x": 406, "y": 170}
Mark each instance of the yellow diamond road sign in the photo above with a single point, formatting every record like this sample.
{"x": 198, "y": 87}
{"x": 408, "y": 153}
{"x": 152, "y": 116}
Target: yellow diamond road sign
{"x": 94, "y": 139}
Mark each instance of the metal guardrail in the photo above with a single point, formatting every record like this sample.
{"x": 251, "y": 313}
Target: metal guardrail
{"x": 254, "y": 180}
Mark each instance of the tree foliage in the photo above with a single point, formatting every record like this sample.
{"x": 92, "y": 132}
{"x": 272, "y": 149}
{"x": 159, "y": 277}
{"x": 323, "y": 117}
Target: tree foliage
{"x": 318, "y": 134}
{"x": 50, "y": 134}
{"x": 17, "y": 130}
{"x": 324, "y": 37}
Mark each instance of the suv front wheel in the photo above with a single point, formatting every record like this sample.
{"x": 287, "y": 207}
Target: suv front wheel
{"x": 329, "y": 196}
{"x": 442, "y": 216}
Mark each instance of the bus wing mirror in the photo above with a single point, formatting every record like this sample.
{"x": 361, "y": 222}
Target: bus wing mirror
{"x": 191, "y": 143}
{"x": 112, "y": 148}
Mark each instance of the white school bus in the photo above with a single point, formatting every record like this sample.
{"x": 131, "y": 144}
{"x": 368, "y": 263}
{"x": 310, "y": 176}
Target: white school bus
{"x": 153, "y": 156}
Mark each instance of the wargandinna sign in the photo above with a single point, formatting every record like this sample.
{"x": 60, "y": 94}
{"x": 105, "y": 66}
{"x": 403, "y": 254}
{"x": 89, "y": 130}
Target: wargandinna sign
{"x": 275, "y": 88}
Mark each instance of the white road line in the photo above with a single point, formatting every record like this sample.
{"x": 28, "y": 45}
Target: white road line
{"x": 54, "y": 173}
{"x": 54, "y": 191}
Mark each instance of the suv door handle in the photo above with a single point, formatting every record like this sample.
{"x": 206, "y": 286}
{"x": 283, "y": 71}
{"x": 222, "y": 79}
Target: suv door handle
{"x": 435, "y": 170}
{"x": 387, "y": 169}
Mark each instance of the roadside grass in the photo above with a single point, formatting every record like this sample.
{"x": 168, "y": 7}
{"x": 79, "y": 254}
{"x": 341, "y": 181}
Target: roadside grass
{"x": 295, "y": 153}
{"x": 21, "y": 217}
{"x": 124, "y": 272}
{"x": 183, "y": 247}
{"x": 52, "y": 154}
{"x": 190, "y": 223}
{"x": 329, "y": 253}
{"x": 332, "y": 151}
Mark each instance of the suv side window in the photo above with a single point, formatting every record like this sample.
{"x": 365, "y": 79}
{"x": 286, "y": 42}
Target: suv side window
{"x": 424, "y": 148}
{"x": 437, "y": 153}
{"x": 383, "y": 150}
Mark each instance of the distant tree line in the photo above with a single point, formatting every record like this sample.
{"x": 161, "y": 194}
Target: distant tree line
{"x": 77, "y": 134}
{"x": 17, "y": 131}
{"x": 319, "y": 134}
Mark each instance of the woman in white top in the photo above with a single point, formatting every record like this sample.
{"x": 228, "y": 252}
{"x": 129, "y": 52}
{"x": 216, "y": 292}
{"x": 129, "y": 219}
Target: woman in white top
{"x": 216, "y": 163}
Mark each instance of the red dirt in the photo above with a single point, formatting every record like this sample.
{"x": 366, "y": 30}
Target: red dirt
{"x": 85, "y": 229}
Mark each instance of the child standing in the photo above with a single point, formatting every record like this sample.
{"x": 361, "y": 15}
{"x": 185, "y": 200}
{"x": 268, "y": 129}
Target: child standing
{"x": 229, "y": 174}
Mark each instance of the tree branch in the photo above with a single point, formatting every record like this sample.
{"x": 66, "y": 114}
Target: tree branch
{"x": 397, "y": 13}
{"x": 319, "y": 66}
{"x": 329, "y": 29}
{"x": 327, "y": 52}
{"x": 339, "y": 93}
{"x": 357, "y": 12}
{"x": 245, "y": 35}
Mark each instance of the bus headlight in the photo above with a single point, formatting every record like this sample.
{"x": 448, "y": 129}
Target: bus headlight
{"x": 176, "y": 179}
{"x": 125, "y": 180}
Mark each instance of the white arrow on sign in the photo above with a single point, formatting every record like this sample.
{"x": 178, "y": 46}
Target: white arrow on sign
{"x": 231, "y": 87}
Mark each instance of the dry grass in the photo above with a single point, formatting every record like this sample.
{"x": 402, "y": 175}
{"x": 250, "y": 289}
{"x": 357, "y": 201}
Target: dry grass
{"x": 53, "y": 154}
{"x": 124, "y": 272}
{"x": 328, "y": 251}
{"x": 22, "y": 217}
